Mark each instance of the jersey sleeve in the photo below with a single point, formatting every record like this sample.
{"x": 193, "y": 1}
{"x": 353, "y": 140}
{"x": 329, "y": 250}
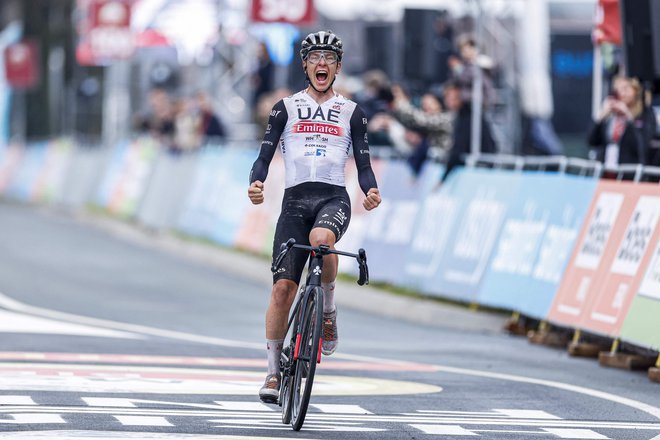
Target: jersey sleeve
{"x": 366, "y": 176}
{"x": 276, "y": 123}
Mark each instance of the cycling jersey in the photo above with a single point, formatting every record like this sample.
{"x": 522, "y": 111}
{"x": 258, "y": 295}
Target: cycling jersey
{"x": 315, "y": 140}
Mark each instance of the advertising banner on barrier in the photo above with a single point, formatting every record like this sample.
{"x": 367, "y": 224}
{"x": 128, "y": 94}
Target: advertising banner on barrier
{"x": 436, "y": 219}
{"x": 361, "y": 219}
{"x": 258, "y": 226}
{"x": 126, "y": 177}
{"x": 608, "y": 307}
{"x": 457, "y": 232}
{"x": 49, "y": 186}
{"x": 217, "y": 202}
{"x": 10, "y": 161}
{"x": 536, "y": 242}
{"x": 392, "y": 224}
{"x": 170, "y": 182}
{"x": 617, "y": 217}
{"x": 27, "y": 171}
{"x": 641, "y": 325}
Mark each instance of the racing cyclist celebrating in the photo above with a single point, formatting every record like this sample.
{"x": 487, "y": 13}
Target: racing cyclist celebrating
{"x": 316, "y": 129}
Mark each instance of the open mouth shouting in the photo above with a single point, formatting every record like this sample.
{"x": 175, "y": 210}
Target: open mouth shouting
{"x": 322, "y": 77}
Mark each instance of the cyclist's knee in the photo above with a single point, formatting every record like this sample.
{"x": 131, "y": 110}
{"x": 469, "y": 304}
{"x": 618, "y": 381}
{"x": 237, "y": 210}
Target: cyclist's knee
{"x": 320, "y": 236}
{"x": 283, "y": 293}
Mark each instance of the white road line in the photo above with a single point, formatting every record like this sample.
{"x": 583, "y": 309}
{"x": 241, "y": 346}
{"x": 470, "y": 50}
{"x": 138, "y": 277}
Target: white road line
{"x": 444, "y": 430}
{"x": 142, "y": 421}
{"x": 340, "y": 409}
{"x": 12, "y": 322}
{"x": 242, "y": 406}
{"x": 16, "y": 400}
{"x": 576, "y": 433}
{"x": 271, "y": 416}
{"x": 11, "y": 304}
{"x": 527, "y": 414}
{"x": 33, "y": 419}
{"x": 109, "y": 402}
{"x": 649, "y": 409}
{"x": 14, "y": 305}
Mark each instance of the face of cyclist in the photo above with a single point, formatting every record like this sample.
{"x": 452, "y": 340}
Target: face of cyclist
{"x": 322, "y": 66}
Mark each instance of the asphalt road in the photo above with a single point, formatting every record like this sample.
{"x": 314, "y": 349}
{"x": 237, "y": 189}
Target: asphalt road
{"x": 110, "y": 332}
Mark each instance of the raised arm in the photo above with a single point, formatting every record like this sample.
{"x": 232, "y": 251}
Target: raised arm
{"x": 366, "y": 176}
{"x": 276, "y": 124}
{"x": 259, "y": 171}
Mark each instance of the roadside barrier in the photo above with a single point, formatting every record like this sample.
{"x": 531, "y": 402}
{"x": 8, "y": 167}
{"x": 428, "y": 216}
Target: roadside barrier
{"x": 543, "y": 237}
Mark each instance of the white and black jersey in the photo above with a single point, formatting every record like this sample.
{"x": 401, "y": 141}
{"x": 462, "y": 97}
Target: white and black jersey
{"x": 315, "y": 140}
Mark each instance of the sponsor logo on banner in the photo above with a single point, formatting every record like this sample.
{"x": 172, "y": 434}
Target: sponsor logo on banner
{"x": 599, "y": 229}
{"x": 475, "y": 239}
{"x": 651, "y": 283}
{"x": 437, "y": 217}
{"x": 401, "y": 222}
{"x": 555, "y": 251}
{"x": 637, "y": 236}
{"x": 517, "y": 248}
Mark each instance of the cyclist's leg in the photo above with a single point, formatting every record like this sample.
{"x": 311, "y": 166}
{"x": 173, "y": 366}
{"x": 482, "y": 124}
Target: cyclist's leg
{"x": 291, "y": 224}
{"x": 331, "y": 223}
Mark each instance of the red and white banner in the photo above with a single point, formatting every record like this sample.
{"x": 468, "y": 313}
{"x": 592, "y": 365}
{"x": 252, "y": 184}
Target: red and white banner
{"x": 105, "y": 32}
{"x": 297, "y": 12}
{"x": 22, "y": 64}
{"x": 604, "y": 273}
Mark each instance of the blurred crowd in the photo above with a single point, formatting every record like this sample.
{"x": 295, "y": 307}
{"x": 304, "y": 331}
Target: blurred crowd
{"x": 182, "y": 124}
{"x": 419, "y": 123}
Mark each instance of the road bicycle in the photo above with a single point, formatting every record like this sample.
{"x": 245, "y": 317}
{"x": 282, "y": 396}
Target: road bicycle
{"x": 299, "y": 358}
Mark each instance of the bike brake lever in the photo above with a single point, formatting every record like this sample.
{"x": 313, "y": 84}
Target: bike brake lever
{"x": 364, "y": 269}
{"x": 284, "y": 249}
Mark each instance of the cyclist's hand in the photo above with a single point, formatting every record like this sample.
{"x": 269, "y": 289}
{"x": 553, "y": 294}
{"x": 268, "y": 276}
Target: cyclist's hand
{"x": 256, "y": 192}
{"x": 372, "y": 200}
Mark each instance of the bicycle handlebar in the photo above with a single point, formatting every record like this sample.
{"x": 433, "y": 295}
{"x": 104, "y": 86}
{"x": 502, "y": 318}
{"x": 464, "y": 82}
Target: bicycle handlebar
{"x": 360, "y": 257}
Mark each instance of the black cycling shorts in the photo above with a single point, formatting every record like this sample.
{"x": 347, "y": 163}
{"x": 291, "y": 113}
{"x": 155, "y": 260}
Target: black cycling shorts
{"x": 304, "y": 207}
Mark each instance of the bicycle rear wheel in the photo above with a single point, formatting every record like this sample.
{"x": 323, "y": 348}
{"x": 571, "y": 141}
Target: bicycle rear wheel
{"x": 308, "y": 355}
{"x": 287, "y": 383}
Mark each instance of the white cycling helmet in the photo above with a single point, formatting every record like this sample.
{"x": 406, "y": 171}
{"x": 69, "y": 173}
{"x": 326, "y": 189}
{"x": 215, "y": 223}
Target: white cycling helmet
{"x": 321, "y": 40}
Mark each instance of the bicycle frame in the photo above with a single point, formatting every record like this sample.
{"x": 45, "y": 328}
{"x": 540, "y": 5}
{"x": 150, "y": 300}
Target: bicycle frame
{"x": 298, "y": 360}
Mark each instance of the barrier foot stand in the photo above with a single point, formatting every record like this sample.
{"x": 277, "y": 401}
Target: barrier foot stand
{"x": 545, "y": 336}
{"x": 515, "y": 326}
{"x": 615, "y": 359}
{"x": 654, "y": 372}
{"x": 580, "y": 348}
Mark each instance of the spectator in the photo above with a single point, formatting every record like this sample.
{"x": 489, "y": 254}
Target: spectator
{"x": 264, "y": 75}
{"x": 624, "y": 128}
{"x": 430, "y": 119}
{"x": 159, "y": 121}
{"x": 377, "y": 95}
{"x": 186, "y": 126}
{"x": 464, "y": 70}
{"x": 462, "y": 129}
{"x": 210, "y": 126}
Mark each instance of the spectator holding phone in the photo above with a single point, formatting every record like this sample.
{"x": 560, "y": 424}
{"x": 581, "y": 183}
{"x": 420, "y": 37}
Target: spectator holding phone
{"x": 624, "y": 128}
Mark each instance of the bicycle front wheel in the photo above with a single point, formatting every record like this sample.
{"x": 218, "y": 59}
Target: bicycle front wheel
{"x": 308, "y": 355}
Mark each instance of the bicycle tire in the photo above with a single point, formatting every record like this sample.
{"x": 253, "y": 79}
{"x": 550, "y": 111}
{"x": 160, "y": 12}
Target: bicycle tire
{"x": 287, "y": 386}
{"x": 308, "y": 354}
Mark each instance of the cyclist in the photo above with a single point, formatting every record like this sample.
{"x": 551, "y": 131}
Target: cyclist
{"x": 315, "y": 129}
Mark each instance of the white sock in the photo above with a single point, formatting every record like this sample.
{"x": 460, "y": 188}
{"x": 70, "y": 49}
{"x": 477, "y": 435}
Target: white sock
{"x": 273, "y": 351}
{"x": 328, "y": 297}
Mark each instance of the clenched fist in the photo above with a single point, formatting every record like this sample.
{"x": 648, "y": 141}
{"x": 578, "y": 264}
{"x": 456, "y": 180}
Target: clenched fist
{"x": 256, "y": 192}
{"x": 372, "y": 200}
